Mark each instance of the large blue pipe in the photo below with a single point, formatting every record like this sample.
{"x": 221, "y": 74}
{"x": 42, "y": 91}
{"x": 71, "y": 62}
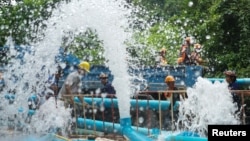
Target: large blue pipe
{"x": 130, "y": 133}
{"x": 135, "y": 133}
{"x": 108, "y": 103}
{"x": 124, "y": 128}
{"x": 111, "y": 127}
{"x": 240, "y": 81}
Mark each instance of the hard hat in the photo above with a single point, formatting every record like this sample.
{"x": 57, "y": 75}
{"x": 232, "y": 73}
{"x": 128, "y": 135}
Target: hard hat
{"x": 169, "y": 78}
{"x": 103, "y": 75}
{"x": 197, "y": 46}
{"x": 84, "y": 65}
{"x": 187, "y": 39}
{"x": 163, "y": 50}
{"x": 230, "y": 73}
{"x": 179, "y": 60}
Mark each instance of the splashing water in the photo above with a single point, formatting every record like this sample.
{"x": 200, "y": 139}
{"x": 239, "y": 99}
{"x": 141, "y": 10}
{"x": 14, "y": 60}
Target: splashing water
{"x": 207, "y": 104}
{"x": 109, "y": 18}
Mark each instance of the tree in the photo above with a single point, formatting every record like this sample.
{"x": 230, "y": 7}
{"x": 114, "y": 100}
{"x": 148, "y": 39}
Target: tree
{"x": 85, "y": 45}
{"x": 222, "y": 27}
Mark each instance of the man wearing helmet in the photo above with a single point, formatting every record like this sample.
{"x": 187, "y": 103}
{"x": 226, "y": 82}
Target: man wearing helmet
{"x": 110, "y": 114}
{"x": 170, "y": 81}
{"x": 172, "y": 97}
{"x": 72, "y": 84}
{"x": 107, "y": 86}
{"x": 231, "y": 79}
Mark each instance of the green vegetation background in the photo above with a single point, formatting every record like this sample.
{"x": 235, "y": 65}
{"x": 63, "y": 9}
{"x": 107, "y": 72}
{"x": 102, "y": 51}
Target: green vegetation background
{"x": 222, "y": 27}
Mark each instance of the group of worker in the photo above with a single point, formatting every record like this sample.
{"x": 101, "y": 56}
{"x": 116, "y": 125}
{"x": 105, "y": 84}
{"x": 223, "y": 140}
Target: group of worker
{"x": 187, "y": 55}
{"x": 72, "y": 83}
{"x": 230, "y": 77}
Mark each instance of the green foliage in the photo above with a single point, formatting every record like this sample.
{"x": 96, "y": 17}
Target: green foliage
{"x": 222, "y": 27}
{"x": 85, "y": 45}
{"x": 24, "y": 20}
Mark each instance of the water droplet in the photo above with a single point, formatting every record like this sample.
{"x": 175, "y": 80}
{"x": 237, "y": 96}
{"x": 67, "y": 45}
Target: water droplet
{"x": 141, "y": 119}
{"x": 190, "y": 4}
{"x": 208, "y": 37}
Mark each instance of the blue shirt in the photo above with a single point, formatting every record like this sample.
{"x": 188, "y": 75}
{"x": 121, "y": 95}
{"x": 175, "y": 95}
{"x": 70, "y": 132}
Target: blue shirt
{"x": 236, "y": 98}
{"x": 108, "y": 88}
{"x": 233, "y": 86}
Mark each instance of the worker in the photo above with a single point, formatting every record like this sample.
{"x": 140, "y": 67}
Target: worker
{"x": 196, "y": 55}
{"x": 185, "y": 52}
{"x": 161, "y": 59}
{"x": 72, "y": 84}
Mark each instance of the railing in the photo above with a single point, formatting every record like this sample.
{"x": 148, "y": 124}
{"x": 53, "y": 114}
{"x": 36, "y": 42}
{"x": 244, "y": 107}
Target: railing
{"x": 149, "y": 117}
{"x": 242, "y": 93}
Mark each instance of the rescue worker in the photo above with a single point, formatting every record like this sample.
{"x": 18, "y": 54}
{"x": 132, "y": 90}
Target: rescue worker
{"x": 170, "y": 81}
{"x": 231, "y": 79}
{"x": 196, "y": 55}
{"x": 107, "y": 88}
{"x": 185, "y": 52}
{"x": 172, "y": 113}
{"x": 109, "y": 114}
{"x": 72, "y": 84}
{"x": 161, "y": 59}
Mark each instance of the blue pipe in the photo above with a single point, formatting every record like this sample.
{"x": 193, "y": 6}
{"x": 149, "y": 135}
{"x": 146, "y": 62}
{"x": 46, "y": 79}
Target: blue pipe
{"x": 110, "y": 127}
{"x": 108, "y": 102}
{"x": 124, "y": 128}
{"x": 134, "y": 133}
{"x": 129, "y": 133}
{"x": 240, "y": 81}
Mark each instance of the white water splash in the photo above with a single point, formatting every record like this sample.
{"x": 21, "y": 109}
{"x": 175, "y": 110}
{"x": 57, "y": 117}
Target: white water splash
{"x": 207, "y": 104}
{"x": 53, "y": 116}
{"x": 109, "y": 19}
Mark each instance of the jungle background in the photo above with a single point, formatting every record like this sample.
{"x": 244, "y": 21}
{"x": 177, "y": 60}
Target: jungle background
{"x": 222, "y": 27}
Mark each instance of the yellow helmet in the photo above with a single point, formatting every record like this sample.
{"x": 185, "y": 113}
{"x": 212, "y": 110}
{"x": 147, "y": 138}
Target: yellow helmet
{"x": 169, "y": 78}
{"x": 84, "y": 65}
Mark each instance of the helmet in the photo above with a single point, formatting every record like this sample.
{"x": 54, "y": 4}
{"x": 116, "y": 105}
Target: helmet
{"x": 103, "y": 75}
{"x": 230, "y": 73}
{"x": 163, "y": 50}
{"x": 84, "y": 65}
{"x": 179, "y": 60}
{"x": 196, "y": 46}
{"x": 187, "y": 39}
{"x": 169, "y": 78}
